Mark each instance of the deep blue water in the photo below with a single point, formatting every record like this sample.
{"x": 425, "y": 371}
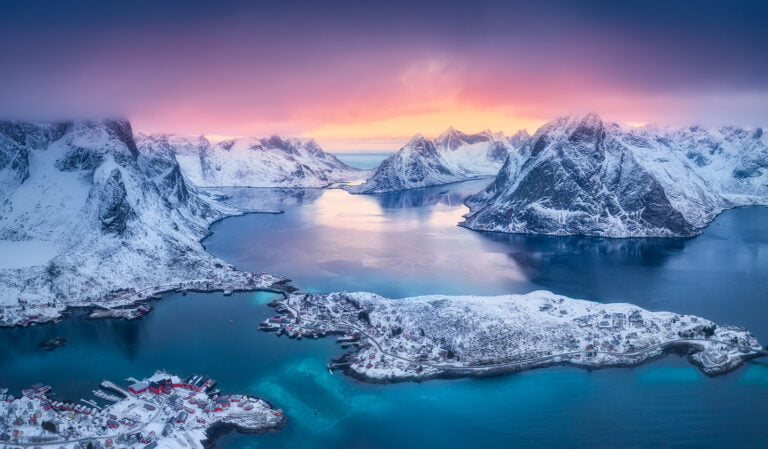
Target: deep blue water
{"x": 362, "y": 160}
{"x": 406, "y": 244}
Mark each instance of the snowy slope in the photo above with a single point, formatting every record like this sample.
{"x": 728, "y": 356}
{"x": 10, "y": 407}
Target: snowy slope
{"x": 116, "y": 216}
{"x": 453, "y": 156}
{"x": 733, "y": 160}
{"x": 581, "y": 176}
{"x": 251, "y": 162}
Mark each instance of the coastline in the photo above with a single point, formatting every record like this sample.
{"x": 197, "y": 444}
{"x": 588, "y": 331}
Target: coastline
{"x": 697, "y": 232}
{"x": 122, "y": 308}
{"x": 217, "y": 430}
{"x": 491, "y": 371}
{"x": 61, "y": 311}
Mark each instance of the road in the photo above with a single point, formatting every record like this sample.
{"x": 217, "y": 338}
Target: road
{"x": 103, "y": 437}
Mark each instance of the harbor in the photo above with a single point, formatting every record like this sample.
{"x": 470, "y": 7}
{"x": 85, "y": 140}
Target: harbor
{"x": 163, "y": 410}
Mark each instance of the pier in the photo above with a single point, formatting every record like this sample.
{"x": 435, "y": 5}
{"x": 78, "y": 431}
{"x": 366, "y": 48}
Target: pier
{"x": 108, "y": 385}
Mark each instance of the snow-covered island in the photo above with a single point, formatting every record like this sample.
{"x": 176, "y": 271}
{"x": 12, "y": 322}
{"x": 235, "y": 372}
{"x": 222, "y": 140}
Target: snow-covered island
{"x": 118, "y": 223}
{"x": 162, "y": 411}
{"x": 442, "y": 336}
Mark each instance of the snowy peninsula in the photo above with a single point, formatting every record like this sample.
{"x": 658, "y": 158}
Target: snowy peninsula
{"x": 119, "y": 223}
{"x": 441, "y": 336}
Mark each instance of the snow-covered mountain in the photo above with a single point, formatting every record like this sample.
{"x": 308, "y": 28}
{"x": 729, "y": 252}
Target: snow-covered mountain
{"x": 579, "y": 175}
{"x": 109, "y": 214}
{"x": 252, "y": 162}
{"x": 453, "y": 156}
{"x": 733, "y": 160}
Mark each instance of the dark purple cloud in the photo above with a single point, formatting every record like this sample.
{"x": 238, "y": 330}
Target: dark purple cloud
{"x": 292, "y": 65}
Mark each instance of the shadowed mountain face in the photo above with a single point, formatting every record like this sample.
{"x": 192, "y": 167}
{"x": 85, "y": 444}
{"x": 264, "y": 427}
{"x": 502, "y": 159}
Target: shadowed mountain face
{"x": 451, "y": 157}
{"x": 582, "y": 176}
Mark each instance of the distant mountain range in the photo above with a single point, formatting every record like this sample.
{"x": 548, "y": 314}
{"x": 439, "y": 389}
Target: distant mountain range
{"x": 579, "y": 175}
{"x": 252, "y": 162}
{"x": 451, "y": 157}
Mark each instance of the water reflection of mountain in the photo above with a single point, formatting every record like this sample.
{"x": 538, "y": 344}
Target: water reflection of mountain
{"x": 588, "y": 264}
{"x": 645, "y": 252}
{"x": 450, "y": 195}
{"x": 265, "y": 199}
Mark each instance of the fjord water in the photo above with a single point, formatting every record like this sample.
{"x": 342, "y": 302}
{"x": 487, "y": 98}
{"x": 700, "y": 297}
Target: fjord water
{"x": 406, "y": 244}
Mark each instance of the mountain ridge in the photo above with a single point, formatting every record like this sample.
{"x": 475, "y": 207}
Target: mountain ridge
{"x": 452, "y": 156}
{"x": 582, "y": 176}
{"x": 118, "y": 216}
{"x": 253, "y": 162}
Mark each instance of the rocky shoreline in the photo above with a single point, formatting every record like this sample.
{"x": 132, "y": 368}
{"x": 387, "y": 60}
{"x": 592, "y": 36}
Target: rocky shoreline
{"x": 218, "y": 430}
{"x": 134, "y": 308}
{"x": 491, "y": 371}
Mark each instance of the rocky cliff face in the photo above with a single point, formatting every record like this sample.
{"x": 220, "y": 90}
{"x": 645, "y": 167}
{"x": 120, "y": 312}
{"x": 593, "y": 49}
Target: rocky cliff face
{"x": 16, "y": 139}
{"x": 451, "y": 157}
{"x": 251, "y": 162}
{"x": 116, "y": 215}
{"x": 582, "y": 176}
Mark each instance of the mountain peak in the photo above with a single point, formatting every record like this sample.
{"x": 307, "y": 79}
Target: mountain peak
{"x": 416, "y": 139}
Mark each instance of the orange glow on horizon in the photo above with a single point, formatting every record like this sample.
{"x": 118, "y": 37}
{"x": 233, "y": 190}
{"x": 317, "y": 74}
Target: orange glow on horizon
{"x": 391, "y": 133}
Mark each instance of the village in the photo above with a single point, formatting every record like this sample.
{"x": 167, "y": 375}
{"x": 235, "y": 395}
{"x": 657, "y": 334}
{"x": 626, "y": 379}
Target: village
{"x": 130, "y": 303}
{"x": 437, "y": 336}
{"x": 162, "y": 411}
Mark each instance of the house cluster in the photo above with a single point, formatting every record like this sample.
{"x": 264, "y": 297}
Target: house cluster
{"x": 23, "y": 314}
{"x": 165, "y": 386}
{"x": 150, "y": 413}
{"x": 319, "y": 318}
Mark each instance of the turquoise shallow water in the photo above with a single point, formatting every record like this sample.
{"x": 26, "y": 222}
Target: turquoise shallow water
{"x": 406, "y": 244}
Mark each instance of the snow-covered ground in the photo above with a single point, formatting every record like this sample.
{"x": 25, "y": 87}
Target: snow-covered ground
{"x": 26, "y": 253}
{"x": 252, "y": 162}
{"x": 119, "y": 218}
{"x": 162, "y": 411}
{"x": 443, "y": 336}
{"x": 579, "y": 175}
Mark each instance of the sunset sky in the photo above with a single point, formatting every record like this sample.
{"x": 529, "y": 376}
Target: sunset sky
{"x": 362, "y": 75}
